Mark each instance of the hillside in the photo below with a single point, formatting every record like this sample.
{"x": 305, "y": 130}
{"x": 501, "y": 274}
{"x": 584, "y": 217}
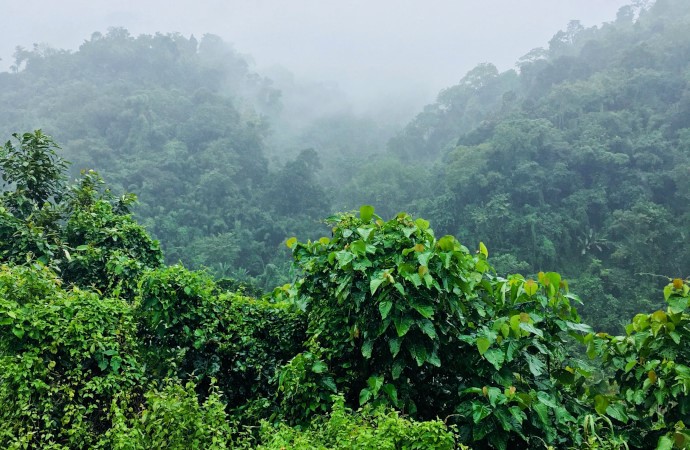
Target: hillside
{"x": 577, "y": 160}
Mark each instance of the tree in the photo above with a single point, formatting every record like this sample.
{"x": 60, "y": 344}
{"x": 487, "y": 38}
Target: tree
{"x": 399, "y": 317}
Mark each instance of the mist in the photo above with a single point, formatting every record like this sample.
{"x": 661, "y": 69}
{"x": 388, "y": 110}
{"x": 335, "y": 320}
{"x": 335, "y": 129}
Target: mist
{"x": 384, "y": 55}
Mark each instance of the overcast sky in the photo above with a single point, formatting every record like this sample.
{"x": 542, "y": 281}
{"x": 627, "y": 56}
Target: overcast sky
{"x": 392, "y": 47}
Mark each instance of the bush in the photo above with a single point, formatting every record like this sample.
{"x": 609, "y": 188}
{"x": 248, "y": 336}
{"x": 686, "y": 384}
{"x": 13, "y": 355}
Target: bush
{"x": 171, "y": 418}
{"x": 398, "y": 317}
{"x": 369, "y": 428}
{"x": 64, "y": 355}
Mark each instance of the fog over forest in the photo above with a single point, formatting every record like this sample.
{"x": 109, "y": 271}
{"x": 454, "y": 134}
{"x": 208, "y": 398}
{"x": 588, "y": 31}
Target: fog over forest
{"x": 383, "y": 54}
{"x": 452, "y": 225}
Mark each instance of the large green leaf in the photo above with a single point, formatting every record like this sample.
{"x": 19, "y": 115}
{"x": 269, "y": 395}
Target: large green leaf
{"x": 601, "y": 403}
{"x": 394, "y": 346}
{"x": 536, "y": 365}
{"x": 367, "y": 348}
{"x": 427, "y": 327}
{"x": 483, "y": 345}
{"x": 426, "y": 311}
{"x": 385, "y": 308}
{"x": 402, "y": 325}
{"x": 479, "y": 412}
{"x": 617, "y": 411}
{"x": 496, "y": 357}
{"x": 366, "y": 212}
{"x": 374, "y": 284}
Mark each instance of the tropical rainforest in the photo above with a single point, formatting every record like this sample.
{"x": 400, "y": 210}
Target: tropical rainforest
{"x": 185, "y": 261}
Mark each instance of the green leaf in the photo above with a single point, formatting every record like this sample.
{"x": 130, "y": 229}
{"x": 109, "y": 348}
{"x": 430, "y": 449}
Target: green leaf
{"x": 402, "y": 326}
{"x": 483, "y": 345}
{"x": 677, "y": 304}
{"x": 394, "y": 346}
{"x": 366, "y": 212}
{"x": 391, "y": 392}
{"x": 329, "y": 383}
{"x": 446, "y": 243}
{"x": 665, "y": 443}
{"x": 617, "y": 411}
{"x": 531, "y": 328}
{"x": 546, "y": 399}
{"x": 400, "y": 289}
{"x": 536, "y": 365}
{"x": 675, "y": 336}
{"x": 479, "y": 412}
{"x": 397, "y": 368}
{"x": 426, "y": 311}
{"x": 601, "y": 402}
{"x": 668, "y": 290}
{"x": 374, "y": 284}
{"x": 344, "y": 258}
{"x": 385, "y": 308}
{"x": 367, "y": 348}
{"x": 578, "y": 326}
{"x": 483, "y": 250}
{"x": 365, "y": 232}
{"x": 375, "y": 382}
{"x": 496, "y": 357}
{"x": 290, "y": 242}
{"x": 422, "y": 224}
{"x": 554, "y": 279}
{"x": 630, "y": 365}
{"x": 530, "y": 287}
{"x": 115, "y": 363}
{"x": 543, "y": 413}
{"x": 19, "y": 332}
{"x": 433, "y": 359}
{"x": 427, "y": 328}
{"x": 418, "y": 352}
{"x": 319, "y": 367}
{"x": 364, "y": 396}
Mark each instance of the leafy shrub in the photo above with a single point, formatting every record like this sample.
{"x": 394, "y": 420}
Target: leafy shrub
{"x": 193, "y": 332}
{"x": 171, "y": 418}
{"x": 399, "y": 317}
{"x": 64, "y": 355}
{"x": 369, "y": 428}
{"x": 650, "y": 373}
{"x": 109, "y": 249}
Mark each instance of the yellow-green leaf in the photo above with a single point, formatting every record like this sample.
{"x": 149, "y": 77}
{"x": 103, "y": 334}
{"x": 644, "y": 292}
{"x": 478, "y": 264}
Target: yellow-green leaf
{"x": 366, "y": 212}
{"x": 291, "y": 242}
{"x": 530, "y": 287}
{"x": 483, "y": 345}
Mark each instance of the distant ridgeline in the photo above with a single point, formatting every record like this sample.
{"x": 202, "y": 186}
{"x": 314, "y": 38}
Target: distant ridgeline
{"x": 577, "y": 161}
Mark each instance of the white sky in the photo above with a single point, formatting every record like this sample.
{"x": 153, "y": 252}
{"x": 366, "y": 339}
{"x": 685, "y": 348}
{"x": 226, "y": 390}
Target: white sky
{"x": 370, "y": 48}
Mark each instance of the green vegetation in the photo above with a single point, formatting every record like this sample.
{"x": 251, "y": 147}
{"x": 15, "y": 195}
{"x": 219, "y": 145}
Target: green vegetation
{"x": 385, "y": 334}
{"x": 102, "y": 346}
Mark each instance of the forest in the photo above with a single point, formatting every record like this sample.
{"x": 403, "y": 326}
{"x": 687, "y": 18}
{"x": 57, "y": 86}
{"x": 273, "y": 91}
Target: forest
{"x": 197, "y": 255}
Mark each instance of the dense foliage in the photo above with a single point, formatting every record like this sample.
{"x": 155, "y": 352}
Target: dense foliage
{"x": 383, "y": 334}
{"x": 576, "y": 161}
{"x": 180, "y": 122}
{"x": 431, "y": 345}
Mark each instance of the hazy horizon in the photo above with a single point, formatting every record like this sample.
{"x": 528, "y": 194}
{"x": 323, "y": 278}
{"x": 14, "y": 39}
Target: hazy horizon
{"x": 376, "y": 52}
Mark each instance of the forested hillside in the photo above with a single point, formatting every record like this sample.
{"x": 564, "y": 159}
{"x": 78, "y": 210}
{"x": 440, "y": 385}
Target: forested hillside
{"x": 162, "y": 308}
{"x": 578, "y": 160}
{"x": 182, "y": 123}
{"x": 575, "y": 160}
